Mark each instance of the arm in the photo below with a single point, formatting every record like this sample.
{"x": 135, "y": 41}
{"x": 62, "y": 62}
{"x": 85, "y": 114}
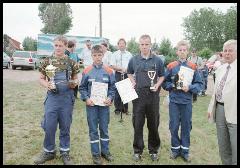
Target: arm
{"x": 197, "y": 83}
{"x": 167, "y": 83}
{"x": 130, "y": 72}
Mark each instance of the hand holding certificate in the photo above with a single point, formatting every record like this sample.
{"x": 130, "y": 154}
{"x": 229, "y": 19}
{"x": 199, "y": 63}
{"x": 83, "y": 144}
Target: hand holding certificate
{"x": 99, "y": 93}
{"x": 126, "y": 90}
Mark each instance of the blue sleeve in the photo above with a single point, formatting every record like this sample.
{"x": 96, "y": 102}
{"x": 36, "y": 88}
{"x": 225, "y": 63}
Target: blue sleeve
{"x": 83, "y": 88}
{"x": 167, "y": 83}
{"x": 161, "y": 68}
{"x": 197, "y": 83}
{"x": 111, "y": 87}
{"x": 130, "y": 69}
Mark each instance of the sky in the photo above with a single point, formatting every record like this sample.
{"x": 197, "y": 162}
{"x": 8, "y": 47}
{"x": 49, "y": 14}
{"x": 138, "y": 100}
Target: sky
{"x": 119, "y": 20}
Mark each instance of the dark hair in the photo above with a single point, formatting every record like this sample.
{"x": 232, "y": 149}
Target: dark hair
{"x": 97, "y": 49}
{"x": 71, "y": 44}
{"x": 104, "y": 44}
{"x": 88, "y": 41}
{"x": 122, "y": 39}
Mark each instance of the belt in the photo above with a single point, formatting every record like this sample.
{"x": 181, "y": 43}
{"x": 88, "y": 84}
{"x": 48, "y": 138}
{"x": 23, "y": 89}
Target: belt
{"x": 220, "y": 103}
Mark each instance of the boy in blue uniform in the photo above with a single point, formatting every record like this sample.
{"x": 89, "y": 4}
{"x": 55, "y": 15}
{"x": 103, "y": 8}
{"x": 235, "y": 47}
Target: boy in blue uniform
{"x": 180, "y": 105}
{"x": 98, "y": 115}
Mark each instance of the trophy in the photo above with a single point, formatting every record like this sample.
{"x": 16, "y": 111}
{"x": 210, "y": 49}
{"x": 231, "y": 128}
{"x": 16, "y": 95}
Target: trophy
{"x": 50, "y": 72}
{"x": 177, "y": 81}
{"x": 151, "y": 75}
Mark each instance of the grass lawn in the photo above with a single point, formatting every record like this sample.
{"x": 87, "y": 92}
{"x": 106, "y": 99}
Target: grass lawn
{"x": 23, "y": 136}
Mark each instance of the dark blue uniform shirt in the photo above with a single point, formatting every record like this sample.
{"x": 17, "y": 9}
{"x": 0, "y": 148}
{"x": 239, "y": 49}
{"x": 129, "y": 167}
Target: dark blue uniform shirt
{"x": 179, "y": 96}
{"x": 139, "y": 66}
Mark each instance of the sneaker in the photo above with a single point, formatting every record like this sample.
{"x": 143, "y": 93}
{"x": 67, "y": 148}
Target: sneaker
{"x": 66, "y": 158}
{"x": 107, "y": 156}
{"x": 45, "y": 156}
{"x": 173, "y": 155}
{"x": 137, "y": 157}
{"x": 186, "y": 158}
{"x": 154, "y": 156}
{"x": 97, "y": 159}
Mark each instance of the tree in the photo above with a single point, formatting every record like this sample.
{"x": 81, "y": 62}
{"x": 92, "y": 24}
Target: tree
{"x": 56, "y": 17}
{"x": 210, "y": 28}
{"x": 29, "y": 44}
{"x": 5, "y": 43}
{"x": 133, "y": 46}
{"x": 165, "y": 47}
{"x": 230, "y": 23}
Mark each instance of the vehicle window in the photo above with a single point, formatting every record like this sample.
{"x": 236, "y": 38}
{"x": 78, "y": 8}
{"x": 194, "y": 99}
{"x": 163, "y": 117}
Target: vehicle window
{"x": 21, "y": 54}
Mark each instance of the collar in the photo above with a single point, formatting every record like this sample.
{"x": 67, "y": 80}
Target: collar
{"x": 233, "y": 64}
{"x": 98, "y": 66}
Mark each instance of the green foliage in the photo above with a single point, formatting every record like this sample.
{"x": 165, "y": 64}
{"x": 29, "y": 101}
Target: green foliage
{"x": 57, "y": 17}
{"x": 165, "y": 47}
{"x": 133, "y": 46}
{"x": 205, "y": 53}
{"x": 29, "y": 44}
{"x": 230, "y": 23}
{"x": 210, "y": 28}
{"x": 112, "y": 48}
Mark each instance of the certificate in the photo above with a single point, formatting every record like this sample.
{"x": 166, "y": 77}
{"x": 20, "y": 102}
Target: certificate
{"x": 185, "y": 75}
{"x": 99, "y": 93}
{"x": 126, "y": 90}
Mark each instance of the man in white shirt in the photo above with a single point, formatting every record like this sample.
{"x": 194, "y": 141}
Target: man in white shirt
{"x": 86, "y": 54}
{"x": 222, "y": 108}
{"x": 119, "y": 63}
{"x": 107, "y": 54}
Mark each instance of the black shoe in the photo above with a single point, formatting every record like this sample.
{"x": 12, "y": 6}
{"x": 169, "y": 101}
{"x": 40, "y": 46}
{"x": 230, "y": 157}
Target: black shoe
{"x": 154, "y": 156}
{"x": 97, "y": 159}
{"x": 173, "y": 155}
{"x": 45, "y": 156}
{"x": 117, "y": 112}
{"x": 66, "y": 158}
{"x": 186, "y": 158}
{"x": 137, "y": 157}
{"x": 107, "y": 156}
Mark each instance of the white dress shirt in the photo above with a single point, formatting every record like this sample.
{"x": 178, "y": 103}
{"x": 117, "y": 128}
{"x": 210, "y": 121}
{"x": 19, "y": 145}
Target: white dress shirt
{"x": 121, "y": 58}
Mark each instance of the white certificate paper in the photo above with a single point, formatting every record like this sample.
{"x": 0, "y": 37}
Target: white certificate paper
{"x": 99, "y": 93}
{"x": 186, "y": 75}
{"x": 126, "y": 90}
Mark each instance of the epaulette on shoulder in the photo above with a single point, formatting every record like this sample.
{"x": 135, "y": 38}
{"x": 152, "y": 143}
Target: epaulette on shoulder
{"x": 171, "y": 65}
{"x": 87, "y": 69}
{"x": 192, "y": 65}
{"x": 107, "y": 69}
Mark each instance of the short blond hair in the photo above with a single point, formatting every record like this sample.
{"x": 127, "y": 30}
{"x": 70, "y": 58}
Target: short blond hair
{"x": 145, "y": 36}
{"x": 230, "y": 42}
{"x": 183, "y": 43}
{"x": 62, "y": 39}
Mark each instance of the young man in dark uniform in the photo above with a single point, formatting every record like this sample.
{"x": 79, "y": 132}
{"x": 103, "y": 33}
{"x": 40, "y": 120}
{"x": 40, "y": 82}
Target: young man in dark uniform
{"x": 140, "y": 70}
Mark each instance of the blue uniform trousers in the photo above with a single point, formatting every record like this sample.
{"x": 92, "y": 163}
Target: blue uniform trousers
{"x": 180, "y": 114}
{"x": 98, "y": 116}
{"x": 58, "y": 109}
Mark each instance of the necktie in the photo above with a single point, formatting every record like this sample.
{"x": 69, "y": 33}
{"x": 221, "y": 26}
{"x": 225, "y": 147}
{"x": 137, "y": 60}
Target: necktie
{"x": 221, "y": 85}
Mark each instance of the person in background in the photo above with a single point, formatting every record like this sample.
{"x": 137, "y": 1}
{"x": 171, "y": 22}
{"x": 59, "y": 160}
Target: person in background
{"x": 70, "y": 51}
{"x": 107, "y": 54}
{"x": 119, "y": 63}
{"x": 199, "y": 64}
{"x": 85, "y": 55}
{"x": 222, "y": 108}
{"x": 204, "y": 76}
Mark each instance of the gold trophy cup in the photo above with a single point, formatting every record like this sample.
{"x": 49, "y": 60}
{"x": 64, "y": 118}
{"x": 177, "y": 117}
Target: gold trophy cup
{"x": 50, "y": 72}
{"x": 151, "y": 75}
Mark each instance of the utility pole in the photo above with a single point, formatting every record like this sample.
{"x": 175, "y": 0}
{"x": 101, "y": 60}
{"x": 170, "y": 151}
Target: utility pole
{"x": 100, "y": 19}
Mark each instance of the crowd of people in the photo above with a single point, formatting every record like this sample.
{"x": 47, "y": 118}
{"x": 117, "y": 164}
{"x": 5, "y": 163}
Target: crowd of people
{"x": 101, "y": 65}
